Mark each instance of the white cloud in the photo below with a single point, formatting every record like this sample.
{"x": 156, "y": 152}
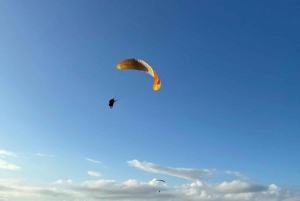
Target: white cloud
{"x": 11, "y": 181}
{"x": 238, "y": 174}
{"x": 98, "y": 184}
{"x": 7, "y": 153}
{"x": 134, "y": 190}
{"x": 186, "y": 173}
{"x": 62, "y": 182}
{"x": 14, "y": 190}
{"x": 91, "y": 160}
{"x": 95, "y": 174}
{"x": 8, "y": 166}
{"x": 240, "y": 187}
{"x": 112, "y": 190}
{"x": 43, "y": 155}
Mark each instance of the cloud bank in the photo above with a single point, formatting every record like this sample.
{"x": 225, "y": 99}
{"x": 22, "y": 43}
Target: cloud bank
{"x": 194, "y": 189}
{"x": 141, "y": 191}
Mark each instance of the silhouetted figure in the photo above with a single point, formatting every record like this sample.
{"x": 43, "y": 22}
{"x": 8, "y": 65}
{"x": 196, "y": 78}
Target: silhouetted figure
{"x": 111, "y": 102}
{"x": 158, "y": 191}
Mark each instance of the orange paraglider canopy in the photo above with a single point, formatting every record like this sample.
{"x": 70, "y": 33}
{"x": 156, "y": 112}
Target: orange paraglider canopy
{"x": 137, "y": 64}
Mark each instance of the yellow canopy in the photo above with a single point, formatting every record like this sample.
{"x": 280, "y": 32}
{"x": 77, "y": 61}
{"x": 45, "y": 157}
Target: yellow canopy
{"x": 137, "y": 64}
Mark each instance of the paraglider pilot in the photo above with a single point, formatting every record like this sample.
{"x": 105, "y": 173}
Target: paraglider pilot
{"x": 111, "y": 102}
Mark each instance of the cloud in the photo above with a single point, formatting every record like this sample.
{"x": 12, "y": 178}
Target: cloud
{"x": 112, "y": 190}
{"x": 94, "y": 161}
{"x": 43, "y": 155}
{"x": 238, "y": 174}
{"x": 240, "y": 187}
{"x": 11, "y": 181}
{"x": 62, "y": 182}
{"x": 12, "y": 189}
{"x": 186, "y": 173}
{"x": 135, "y": 190}
{"x": 7, "y": 153}
{"x": 95, "y": 174}
{"x": 8, "y": 166}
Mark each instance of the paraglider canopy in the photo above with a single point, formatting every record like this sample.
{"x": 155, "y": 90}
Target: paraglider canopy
{"x": 159, "y": 180}
{"x": 137, "y": 64}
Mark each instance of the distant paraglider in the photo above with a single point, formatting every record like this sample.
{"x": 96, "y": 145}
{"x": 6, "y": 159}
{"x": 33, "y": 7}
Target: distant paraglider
{"x": 137, "y": 64}
{"x": 157, "y": 180}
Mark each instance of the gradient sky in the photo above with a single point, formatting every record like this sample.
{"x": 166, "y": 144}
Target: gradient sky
{"x": 228, "y": 109}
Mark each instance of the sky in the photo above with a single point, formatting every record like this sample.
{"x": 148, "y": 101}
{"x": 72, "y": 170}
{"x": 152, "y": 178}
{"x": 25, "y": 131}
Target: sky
{"x": 224, "y": 126}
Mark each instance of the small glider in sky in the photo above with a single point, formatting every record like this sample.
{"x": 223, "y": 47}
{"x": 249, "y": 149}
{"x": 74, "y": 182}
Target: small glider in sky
{"x": 157, "y": 181}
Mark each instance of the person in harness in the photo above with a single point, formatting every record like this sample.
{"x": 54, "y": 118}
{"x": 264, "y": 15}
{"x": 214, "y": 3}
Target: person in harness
{"x": 111, "y": 102}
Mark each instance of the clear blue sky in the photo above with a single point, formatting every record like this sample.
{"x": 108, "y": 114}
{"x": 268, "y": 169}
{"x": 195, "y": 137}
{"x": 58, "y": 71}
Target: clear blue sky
{"x": 230, "y": 95}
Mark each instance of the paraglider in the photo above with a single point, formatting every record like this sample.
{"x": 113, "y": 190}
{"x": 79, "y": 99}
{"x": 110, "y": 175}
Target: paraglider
{"x": 138, "y": 64}
{"x": 111, "y": 102}
{"x": 156, "y": 180}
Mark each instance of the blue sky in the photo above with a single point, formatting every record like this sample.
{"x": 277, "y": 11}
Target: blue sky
{"x": 228, "y": 109}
